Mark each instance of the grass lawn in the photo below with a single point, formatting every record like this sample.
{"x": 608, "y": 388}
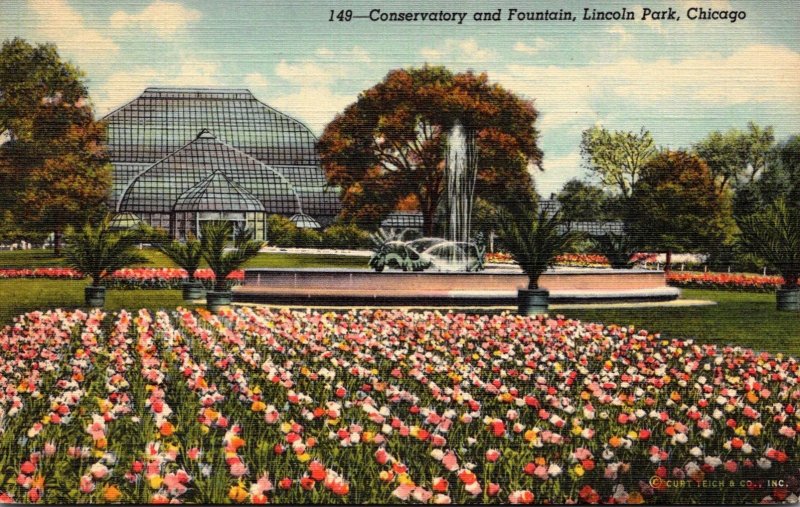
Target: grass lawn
{"x": 44, "y": 258}
{"x": 21, "y": 295}
{"x": 741, "y": 318}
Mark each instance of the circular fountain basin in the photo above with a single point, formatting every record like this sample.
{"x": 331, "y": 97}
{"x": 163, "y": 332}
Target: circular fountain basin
{"x": 492, "y": 287}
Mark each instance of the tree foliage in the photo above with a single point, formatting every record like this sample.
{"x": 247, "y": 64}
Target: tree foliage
{"x": 618, "y": 157}
{"x": 581, "y": 201}
{"x": 779, "y": 180}
{"x": 388, "y": 147}
{"x": 53, "y": 169}
{"x": 676, "y": 208}
{"x": 736, "y": 156}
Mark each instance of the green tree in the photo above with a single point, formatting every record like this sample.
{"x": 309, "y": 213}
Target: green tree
{"x": 736, "y": 156}
{"x": 53, "y": 170}
{"x": 617, "y": 158}
{"x": 581, "y": 201}
{"x": 389, "y": 145}
{"x": 780, "y": 179}
{"x": 676, "y": 207}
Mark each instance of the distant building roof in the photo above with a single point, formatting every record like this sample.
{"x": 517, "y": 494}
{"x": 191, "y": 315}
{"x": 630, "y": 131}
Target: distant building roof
{"x": 598, "y": 228}
{"x": 403, "y": 220}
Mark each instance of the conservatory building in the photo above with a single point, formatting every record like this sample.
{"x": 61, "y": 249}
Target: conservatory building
{"x": 183, "y": 156}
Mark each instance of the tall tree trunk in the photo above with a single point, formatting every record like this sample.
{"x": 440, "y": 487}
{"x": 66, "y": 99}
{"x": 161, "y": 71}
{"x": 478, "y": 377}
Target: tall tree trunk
{"x": 668, "y": 263}
{"x": 57, "y": 242}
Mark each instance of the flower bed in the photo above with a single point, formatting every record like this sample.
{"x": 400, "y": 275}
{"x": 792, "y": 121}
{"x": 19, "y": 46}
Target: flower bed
{"x": 724, "y": 281}
{"x": 128, "y": 278}
{"x": 385, "y": 407}
{"x": 573, "y": 260}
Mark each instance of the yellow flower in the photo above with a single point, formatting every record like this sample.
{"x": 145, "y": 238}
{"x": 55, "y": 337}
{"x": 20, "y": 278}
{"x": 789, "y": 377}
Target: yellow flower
{"x": 238, "y": 494}
{"x": 257, "y": 390}
{"x": 204, "y": 428}
{"x": 576, "y": 430}
{"x": 740, "y": 431}
{"x": 304, "y": 457}
{"x": 286, "y": 427}
{"x": 258, "y": 406}
{"x": 633, "y": 435}
{"x": 155, "y": 481}
{"x": 579, "y": 471}
{"x": 530, "y": 435}
{"x": 367, "y": 436}
{"x": 404, "y": 479}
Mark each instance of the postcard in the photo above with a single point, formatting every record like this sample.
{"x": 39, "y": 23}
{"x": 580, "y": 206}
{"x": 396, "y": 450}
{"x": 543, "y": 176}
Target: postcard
{"x": 366, "y": 252}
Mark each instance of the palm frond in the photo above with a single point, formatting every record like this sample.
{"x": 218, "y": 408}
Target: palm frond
{"x": 222, "y": 261}
{"x": 774, "y": 235}
{"x": 97, "y": 251}
{"x": 534, "y": 239}
{"x": 187, "y": 254}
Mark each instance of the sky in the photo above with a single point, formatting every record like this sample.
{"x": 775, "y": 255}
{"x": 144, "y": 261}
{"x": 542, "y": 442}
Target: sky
{"x": 681, "y": 79}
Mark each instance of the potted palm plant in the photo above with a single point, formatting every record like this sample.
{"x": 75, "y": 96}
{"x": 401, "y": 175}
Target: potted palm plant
{"x": 773, "y": 234}
{"x": 617, "y": 247}
{"x": 534, "y": 239}
{"x": 188, "y": 256}
{"x": 214, "y": 239}
{"x": 98, "y": 252}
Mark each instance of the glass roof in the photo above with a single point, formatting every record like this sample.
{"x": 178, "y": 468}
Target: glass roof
{"x": 218, "y": 193}
{"x": 157, "y": 189}
{"x": 304, "y": 221}
{"x": 161, "y": 120}
{"x": 122, "y": 221}
{"x": 403, "y": 219}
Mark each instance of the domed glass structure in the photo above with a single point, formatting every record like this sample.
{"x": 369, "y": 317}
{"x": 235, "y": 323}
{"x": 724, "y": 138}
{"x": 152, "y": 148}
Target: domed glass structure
{"x": 180, "y": 155}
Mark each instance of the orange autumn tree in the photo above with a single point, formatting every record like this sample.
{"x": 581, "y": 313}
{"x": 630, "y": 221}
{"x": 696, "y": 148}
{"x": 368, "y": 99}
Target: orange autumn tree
{"x": 386, "y": 150}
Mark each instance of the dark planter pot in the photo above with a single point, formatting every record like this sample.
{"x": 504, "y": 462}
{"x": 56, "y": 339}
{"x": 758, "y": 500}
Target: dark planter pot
{"x": 532, "y": 301}
{"x": 216, "y": 300}
{"x": 788, "y": 300}
{"x": 193, "y": 290}
{"x": 94, "y": 296}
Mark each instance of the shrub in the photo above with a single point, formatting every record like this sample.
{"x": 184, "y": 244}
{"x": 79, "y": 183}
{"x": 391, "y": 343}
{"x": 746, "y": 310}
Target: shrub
{"x": 345, "y": 236}
{"x": 281, "y": 231}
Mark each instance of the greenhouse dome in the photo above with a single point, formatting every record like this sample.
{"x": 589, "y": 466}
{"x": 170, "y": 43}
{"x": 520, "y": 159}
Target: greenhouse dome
{"x": 173, "y": 149}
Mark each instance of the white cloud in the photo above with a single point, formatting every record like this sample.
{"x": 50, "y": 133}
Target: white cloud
{"x": 356, "y": 54}
{"x": 256, "y": 81}
{"x": 126, "y": 85}
{"x": 165, "y": 19}
{"x": 308, "y": 72}
{"x": 457, "y": 52}
{"x": 758, "y": 73}
{"x": 619, "y": 30}
{"x": 58, "y": 22}
{"x": 314, "y": 105}
{"x": 538, "y": 45}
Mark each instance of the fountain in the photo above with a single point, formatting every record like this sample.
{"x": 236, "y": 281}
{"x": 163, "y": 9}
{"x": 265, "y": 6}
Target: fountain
{"x": 433, "y": 272}
{"x": 461, "y": 169}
